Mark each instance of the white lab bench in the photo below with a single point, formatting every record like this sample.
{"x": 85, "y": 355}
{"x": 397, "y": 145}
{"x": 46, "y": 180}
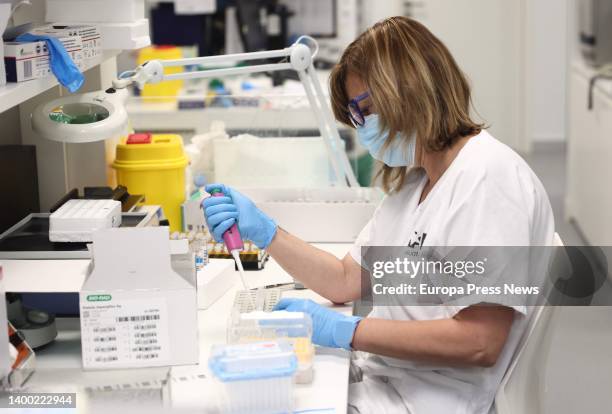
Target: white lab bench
{"x": 60, "y": 362}
{"x": 291, "y": 112}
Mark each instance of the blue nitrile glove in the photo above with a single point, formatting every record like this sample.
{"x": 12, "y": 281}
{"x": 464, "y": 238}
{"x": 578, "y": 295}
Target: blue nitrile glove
{"x": 222, "y": 212}
{"x": 330, "y": 328}
{"x": 61, "y": 64}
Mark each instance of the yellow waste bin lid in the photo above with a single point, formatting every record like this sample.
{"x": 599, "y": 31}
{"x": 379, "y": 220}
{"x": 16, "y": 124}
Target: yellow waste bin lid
{"x": 159, "y": 52}
{"x": 150, "y": 151}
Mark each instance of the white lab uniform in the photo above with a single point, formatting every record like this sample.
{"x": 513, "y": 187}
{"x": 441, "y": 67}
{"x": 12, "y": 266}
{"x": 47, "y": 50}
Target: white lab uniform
{"x": 488, "y": 196}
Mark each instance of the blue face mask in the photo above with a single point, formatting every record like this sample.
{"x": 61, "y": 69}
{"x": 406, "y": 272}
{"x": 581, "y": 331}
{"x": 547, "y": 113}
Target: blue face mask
{"x": 396, "y": 155}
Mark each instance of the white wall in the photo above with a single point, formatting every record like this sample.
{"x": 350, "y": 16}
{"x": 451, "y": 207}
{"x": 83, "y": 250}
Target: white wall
{"x": 547, "y": 35}
{"x": 485, "y": 37}
{"x": 543, "y": 68}
{"x": 372, "y": 11}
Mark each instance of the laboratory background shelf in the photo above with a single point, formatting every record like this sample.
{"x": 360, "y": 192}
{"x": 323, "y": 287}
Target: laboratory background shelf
{"x": 13, "y": 94}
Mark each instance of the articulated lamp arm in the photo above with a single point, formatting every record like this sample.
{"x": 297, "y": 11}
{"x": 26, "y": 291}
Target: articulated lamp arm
{"x": 300, "y": 58}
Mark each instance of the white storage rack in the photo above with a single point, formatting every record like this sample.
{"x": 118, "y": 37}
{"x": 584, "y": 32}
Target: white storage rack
{"x": 61, "y": 167}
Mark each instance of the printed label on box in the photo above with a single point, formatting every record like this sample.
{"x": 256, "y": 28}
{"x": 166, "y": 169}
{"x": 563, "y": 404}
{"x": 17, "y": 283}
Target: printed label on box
{"x": 89, "y": 35}
{"x": 123, "y": 332}
{"x": 30, "y": 60}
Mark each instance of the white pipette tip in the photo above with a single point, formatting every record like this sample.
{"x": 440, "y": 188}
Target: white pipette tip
{"x": 236, "y": 255}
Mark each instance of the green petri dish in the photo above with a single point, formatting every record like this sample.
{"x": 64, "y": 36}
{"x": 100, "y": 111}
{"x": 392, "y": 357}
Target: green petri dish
{"x": 79, "y": 113}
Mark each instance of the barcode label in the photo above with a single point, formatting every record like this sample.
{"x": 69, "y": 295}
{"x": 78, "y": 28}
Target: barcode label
{"x": 145, "y": 334}
{"x": 106, "y": 359}
{"x": 105, "y": 349}
{"x": 144, "y": 327}
{"x": 145, "y": 341}
{"x": 104, "y": 338}
{"x": 147, "y": 356}
{"x": 138, "y": 318}
{"x": 145, "y": 348}
{"x": 27, "y": 69}
{"x": 105, "y": 329}
{"x": 129, "y": 332}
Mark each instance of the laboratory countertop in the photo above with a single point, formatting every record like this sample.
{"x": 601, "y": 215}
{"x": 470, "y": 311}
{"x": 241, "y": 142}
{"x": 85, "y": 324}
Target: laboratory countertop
{"x": 60, "y": 362}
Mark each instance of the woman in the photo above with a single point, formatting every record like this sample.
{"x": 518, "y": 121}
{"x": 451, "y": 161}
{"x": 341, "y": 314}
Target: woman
{"x": 448, "y": 183}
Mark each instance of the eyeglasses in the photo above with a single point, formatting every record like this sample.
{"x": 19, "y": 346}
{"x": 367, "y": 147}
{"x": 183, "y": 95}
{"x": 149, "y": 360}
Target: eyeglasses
{"x": 355, "y": 114}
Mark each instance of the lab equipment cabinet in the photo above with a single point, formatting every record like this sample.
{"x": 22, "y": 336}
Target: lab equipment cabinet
{"x": 589, "y": 192}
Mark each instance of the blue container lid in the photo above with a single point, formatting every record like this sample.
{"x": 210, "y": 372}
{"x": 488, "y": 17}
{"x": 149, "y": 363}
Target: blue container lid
{"x": 253, "y": 361}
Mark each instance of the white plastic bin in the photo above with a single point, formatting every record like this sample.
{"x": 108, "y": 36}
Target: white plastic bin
{"x": 271, "y": 162}
{"x": 318, "y": 215}
{"x": 257, "y": 377}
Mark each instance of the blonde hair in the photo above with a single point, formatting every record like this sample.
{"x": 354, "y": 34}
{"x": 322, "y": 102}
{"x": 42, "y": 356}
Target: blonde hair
{"x": 415, "y": 85}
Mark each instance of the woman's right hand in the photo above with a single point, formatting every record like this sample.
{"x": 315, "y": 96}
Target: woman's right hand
{"x": 222, "y": 212}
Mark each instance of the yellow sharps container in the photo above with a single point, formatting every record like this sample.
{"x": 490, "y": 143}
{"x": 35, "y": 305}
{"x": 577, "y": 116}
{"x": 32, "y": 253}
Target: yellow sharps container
{"x": 154, "y": 165}
{"x": 165, "y": 91}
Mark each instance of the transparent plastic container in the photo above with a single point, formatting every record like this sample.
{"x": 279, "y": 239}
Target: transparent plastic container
{"x": 198, "y": 247}
{"x": 257, "y": 377}
{"x": 294, "y": 327}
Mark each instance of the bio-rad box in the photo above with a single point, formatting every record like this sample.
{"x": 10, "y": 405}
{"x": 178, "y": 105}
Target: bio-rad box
{"x": 135, "y": 310}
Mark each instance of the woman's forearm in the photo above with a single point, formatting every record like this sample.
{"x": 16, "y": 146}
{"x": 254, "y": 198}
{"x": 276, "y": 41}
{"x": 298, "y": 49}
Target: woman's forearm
{"x": 316, "y": 269}
{"x": 474, "y": 338}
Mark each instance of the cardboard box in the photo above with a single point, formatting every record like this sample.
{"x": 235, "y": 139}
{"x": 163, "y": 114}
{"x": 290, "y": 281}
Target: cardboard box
{"x": 89, "y": 34}
{"x": 214, "y": 280}
{"x": 30, "y": 60}
{"x": 136, "y": 311}
{"x": 127, "y": 36}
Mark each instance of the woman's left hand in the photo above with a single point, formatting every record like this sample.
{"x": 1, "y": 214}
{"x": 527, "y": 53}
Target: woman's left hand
{"x": 330, "y": 328}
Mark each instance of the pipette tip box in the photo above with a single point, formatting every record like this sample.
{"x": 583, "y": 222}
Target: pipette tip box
{"x": 294, "y": 327}
{"x": 77, "y": 220}
{"x": 256, "y": 377}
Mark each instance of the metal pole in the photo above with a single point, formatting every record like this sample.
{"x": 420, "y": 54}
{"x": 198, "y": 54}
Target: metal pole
{"x": 325, "y": 134}
{"x": 330, "y": 122}
{"x": 237, "y": 57}
{"x": 228, "y": 71}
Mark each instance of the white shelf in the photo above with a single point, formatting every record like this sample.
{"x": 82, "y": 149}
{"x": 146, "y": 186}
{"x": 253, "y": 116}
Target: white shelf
{"x": 167, "y": 117}
{"x": 13, "y": 94}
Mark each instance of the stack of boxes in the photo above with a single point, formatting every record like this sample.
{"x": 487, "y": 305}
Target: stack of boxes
{"x": 89, "y": 36}
{"x": 30, "y": 60}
